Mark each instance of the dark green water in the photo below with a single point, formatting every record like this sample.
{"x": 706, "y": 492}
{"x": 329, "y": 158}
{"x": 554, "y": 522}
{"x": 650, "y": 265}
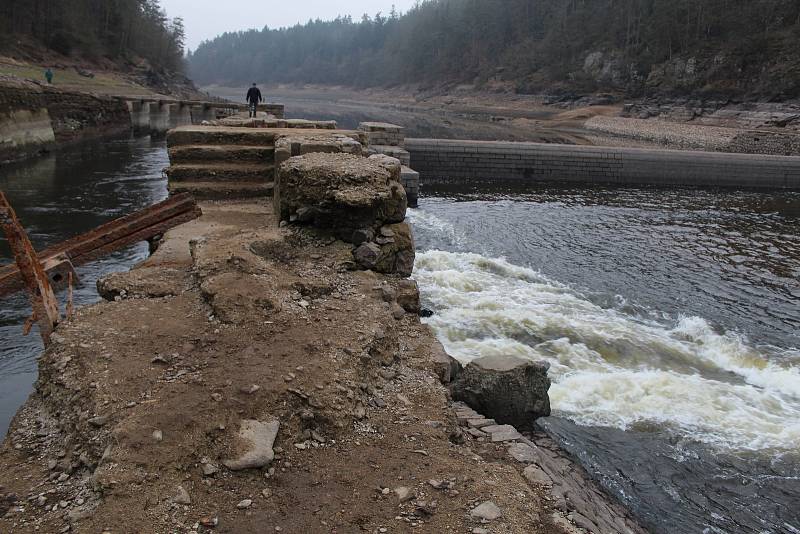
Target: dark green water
{"x": 60, "y": 196}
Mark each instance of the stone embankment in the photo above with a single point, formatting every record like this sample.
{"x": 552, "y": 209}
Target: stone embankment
{"x": 257, "y": 374}
{"x": 34, "y": 118}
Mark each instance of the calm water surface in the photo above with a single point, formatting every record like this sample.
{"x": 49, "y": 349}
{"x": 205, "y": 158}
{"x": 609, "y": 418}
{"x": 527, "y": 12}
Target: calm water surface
{"x": 60, "y": 196}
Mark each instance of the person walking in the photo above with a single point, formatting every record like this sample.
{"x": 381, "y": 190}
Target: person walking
{"x": 253, "y": 99}
{"x": 48, "y": 75}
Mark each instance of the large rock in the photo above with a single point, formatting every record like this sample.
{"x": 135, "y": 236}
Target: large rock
{"x": 340, "y": 192}
{"x": 253, "y": 445}
{"x": 509, "y": 389}
{"x": 397, "y": 253}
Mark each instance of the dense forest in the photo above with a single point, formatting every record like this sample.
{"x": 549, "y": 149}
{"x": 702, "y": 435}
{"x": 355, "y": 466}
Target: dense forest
{"x": 634, "y": 46}
{"x": 94, "y": 29}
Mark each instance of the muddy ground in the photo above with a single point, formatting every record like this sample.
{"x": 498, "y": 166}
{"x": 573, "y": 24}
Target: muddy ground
{"x": 140, "y": 400}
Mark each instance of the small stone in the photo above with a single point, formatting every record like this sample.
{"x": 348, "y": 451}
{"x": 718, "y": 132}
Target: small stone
{"x": 404, "y": 494}
{"x": 244, "y": 504}
{"x": 99, "y": 421}
{"x": 523, "y": 453}
{"x": 182, "y": 496}
{"x": 258, "y": 437}
{"x": 502, "y": 433}
{"x": 158, "y": 435}
{"x": 398, "y": 312}
{"x": 488, "y": 511}
{"x": 535, "y": 475}
{"x": 388, "y": 293}
{"x": 266, "y": 493}
{"x": 209, "y": 470}
{"x": 216, "y": 397}
{"x": 209, "y": 521}
{"x": 62, "y": 477}
{"x": 249, "y": 390}
{"x": 480, "y": 530}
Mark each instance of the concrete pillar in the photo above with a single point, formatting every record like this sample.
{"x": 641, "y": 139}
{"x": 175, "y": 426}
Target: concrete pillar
{"x": 179, "y": 115}
{"x": 159, "y": 118}
{"x": 202, "y": 113}
{"x": 140, "y": 117}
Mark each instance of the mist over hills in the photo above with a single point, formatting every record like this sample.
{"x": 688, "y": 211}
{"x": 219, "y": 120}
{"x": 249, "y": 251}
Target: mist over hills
{"x": 721, "y": 48}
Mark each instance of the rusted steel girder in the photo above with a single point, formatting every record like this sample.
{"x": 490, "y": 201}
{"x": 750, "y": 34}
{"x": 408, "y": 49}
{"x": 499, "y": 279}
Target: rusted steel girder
{"x": 109, "y": 237}
{"x": 43, "y": 299}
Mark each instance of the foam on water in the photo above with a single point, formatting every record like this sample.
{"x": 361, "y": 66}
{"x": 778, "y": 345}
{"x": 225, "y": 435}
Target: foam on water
{"x": 611, "y": 368}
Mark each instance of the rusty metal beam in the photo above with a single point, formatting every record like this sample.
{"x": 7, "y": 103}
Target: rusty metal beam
{"x": 43, "y": 299}
{"x": 110, "y": 237}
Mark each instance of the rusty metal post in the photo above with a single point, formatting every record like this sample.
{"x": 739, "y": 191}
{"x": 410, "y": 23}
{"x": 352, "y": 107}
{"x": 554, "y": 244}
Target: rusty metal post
{"x": 43, "y": 300}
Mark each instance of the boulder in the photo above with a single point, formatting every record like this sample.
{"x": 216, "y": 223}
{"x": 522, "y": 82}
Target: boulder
{"x": 509, "y": 389}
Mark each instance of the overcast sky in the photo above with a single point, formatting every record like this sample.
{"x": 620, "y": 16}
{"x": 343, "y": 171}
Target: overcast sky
{"x": 205, "y": 19}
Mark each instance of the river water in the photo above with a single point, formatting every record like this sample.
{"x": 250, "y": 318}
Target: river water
{"x": 59, "y": 196}
{"x": 670, "y": 319}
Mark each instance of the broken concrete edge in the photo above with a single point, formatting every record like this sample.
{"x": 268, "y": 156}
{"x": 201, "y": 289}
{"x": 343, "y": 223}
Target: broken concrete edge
{"x": 359, "y": 199}
{"x": 540, "y": 468}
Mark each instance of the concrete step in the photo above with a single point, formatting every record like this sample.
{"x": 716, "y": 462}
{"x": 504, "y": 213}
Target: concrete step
{"x": 221, "y": 153}
{"x": 216, "y": 135}
{"x": 222, "y": 190}
{"x": 221, "y": 172}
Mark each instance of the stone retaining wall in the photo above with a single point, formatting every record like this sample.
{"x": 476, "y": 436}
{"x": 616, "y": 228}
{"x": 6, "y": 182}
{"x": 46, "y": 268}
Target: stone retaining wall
{"x": 34, "y": 118}
{"x": 446, "y": 161}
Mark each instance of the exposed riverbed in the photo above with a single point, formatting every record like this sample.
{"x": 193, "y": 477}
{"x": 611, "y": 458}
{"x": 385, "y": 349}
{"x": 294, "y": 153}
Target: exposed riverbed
{"x": 59, "y": 196}
{"x": 670, "y": 319}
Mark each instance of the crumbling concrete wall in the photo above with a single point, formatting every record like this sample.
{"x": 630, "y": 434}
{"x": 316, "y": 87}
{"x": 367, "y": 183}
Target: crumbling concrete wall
{"x": 27, "y": 108}
{"x": 360, "y": 200}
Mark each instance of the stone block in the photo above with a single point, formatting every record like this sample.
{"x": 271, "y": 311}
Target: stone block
{"x": 506, "y": 388}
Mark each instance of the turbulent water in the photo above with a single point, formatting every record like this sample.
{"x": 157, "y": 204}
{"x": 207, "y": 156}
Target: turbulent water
{"x": 60, "y": 196}
{"x": 671, "y": 320}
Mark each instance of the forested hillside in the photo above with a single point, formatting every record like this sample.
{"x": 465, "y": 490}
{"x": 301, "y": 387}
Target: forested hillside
{"x": 722, "y": 47}
{"x": 95, "y": 29}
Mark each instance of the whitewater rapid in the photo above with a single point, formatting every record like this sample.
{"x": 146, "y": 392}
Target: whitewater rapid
{"x": 611, "y": 365}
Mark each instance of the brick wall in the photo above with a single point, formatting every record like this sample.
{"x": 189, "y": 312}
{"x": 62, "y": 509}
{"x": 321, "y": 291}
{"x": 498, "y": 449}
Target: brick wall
{"x": 446, "y": 161}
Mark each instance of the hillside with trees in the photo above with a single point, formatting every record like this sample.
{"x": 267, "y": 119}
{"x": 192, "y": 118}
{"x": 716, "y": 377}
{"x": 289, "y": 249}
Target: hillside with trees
{"x": 726, "y": 48}
{"x": 94, "y": 30}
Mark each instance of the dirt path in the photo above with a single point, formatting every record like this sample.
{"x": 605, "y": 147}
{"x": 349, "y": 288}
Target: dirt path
{"x": 141, "y": 399}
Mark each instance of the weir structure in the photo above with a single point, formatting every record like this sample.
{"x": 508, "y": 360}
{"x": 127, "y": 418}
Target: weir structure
{"x": 442, "y": 161}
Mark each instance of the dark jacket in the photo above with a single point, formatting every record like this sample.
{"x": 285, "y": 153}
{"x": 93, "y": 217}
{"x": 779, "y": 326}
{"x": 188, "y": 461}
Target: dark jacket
{"x": 254, "y": 95}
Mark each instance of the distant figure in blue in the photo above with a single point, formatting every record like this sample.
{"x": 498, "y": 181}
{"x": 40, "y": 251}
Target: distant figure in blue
{"x": 253, "y": 99}
{"x": 48, "y": 75}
